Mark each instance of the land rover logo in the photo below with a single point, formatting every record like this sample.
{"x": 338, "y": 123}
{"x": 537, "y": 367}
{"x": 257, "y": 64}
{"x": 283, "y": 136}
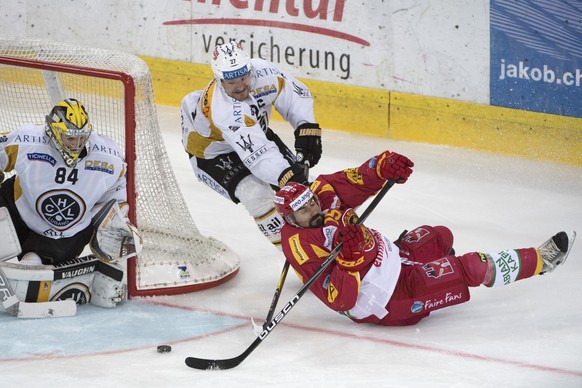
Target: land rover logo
{"x": 61, "y": 208}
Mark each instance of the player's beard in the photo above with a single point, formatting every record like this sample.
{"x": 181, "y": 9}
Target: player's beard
{"x": 316, "y": 221}
{"x": 241, "y": 94}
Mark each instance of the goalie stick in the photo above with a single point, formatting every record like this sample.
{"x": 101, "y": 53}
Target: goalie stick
{"x": 214, "y": 364}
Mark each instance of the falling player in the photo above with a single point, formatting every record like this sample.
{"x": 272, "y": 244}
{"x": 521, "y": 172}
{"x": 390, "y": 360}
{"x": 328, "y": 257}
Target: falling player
{"x": 389, "y": 283}
{"x": 226, "y": 133}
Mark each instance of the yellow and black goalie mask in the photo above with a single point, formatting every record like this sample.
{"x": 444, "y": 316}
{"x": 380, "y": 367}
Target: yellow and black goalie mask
{"x": 69, "y": 128}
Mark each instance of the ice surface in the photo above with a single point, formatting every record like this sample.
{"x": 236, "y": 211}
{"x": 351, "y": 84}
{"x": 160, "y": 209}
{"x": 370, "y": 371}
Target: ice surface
{"x": 523, "y": 335}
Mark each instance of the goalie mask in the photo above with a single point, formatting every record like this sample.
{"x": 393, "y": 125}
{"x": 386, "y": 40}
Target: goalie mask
{"x": 69, "y": 129}
{"x": 299, "y": 206}
{"x": 229, "y": 62}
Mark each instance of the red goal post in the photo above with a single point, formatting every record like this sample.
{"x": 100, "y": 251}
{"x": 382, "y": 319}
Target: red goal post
{"x": 117, "y": 91}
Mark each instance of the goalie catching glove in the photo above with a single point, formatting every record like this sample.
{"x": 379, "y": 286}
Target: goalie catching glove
{"x": 359, "y": 247}
{"x": 114, "y": 238}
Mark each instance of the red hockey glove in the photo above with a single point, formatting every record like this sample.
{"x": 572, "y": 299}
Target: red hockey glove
{"x": 308, "y": 143}
{"x": 393, "y": 166}
{"x": 359, "y": 247}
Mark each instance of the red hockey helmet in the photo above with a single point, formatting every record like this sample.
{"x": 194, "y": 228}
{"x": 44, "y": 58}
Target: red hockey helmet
{"x": 292, "y": 197}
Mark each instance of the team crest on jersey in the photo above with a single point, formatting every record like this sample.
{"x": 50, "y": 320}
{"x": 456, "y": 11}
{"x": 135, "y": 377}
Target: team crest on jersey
{"x": 42, "y": 158}
{"x": 61, "y": 208}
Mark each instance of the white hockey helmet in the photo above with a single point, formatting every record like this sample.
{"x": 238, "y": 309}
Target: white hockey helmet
{"x": 229, "y": 61}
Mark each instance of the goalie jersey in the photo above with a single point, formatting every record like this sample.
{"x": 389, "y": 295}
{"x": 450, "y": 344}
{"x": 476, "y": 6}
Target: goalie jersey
{"x": 214, "y": 124}
{"x": 55, "y": 200}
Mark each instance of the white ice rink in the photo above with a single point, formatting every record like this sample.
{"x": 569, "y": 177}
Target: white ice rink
{"x": 526, "y": 334}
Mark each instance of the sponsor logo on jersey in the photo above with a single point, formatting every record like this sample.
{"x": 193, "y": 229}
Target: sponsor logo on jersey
{"x": 31, "y": 139}
{"x": 325, "y": 283}
{"x": 107, "y": 150}
{"x": 3, "y": 139}
{"x": 482, "y": 257}
{"x": 436, "y": 303}
{"x": 416, "y": 307}
{"x": 247, "y": 144}
{"x": 42, "y": 158}
{"x": 266, "y": 72}
{"x": 250, "y": 160}
{"x": 264, "y": 91}
{"x": 224, "y": 163}
{"x": 61, "y": 208}
{"x": 98, "y": 165}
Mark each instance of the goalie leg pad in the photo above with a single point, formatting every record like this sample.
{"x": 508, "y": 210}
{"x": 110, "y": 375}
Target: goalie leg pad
{"x": 108, "y": 288}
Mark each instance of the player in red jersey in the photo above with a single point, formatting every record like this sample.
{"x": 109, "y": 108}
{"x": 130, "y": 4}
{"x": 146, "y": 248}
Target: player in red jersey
{"x": 379, "y": 281}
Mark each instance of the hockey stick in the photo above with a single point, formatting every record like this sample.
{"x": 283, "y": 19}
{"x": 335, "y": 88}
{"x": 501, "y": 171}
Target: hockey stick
{"x": 210, "y": 364}
{"x": 285, "y": 270}
{"x": 277, "y": 294}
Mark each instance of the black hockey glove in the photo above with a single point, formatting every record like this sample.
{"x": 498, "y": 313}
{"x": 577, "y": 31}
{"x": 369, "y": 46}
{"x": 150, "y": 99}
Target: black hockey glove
{"x": 295, "y": 173}
{"x": 308, "y": 143}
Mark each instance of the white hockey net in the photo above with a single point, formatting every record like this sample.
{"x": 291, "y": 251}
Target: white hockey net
{"x": 117, "y": 91}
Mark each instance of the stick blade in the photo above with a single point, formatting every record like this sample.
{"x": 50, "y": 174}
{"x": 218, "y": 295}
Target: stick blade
{"x": 56, "y": 309}
{"x": 206, "y": 364}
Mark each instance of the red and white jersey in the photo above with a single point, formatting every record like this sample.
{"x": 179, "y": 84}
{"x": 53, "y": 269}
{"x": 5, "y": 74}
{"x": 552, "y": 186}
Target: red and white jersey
{"x": 358, "y": 294}
{"x": 214, "y": 124}
{"x": 55, "y": 200}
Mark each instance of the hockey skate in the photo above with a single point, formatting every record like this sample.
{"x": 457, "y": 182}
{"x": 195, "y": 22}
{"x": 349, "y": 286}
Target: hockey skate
{"x": 555, "y": 251}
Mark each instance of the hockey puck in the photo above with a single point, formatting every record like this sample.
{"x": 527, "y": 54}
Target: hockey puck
{"x": 164, "y": 349}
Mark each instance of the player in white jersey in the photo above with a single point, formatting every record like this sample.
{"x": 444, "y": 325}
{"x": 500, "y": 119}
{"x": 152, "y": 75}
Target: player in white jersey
{"x": 64, "y": 172}
{"x": 226, "y": 133}
{"x": 67, "y": 190}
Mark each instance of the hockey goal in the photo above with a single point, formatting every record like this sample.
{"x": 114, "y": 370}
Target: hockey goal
{"x": 116, "y": 89}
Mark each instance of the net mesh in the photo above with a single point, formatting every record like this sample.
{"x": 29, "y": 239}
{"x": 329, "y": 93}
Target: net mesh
{"x": 175, "y": 254}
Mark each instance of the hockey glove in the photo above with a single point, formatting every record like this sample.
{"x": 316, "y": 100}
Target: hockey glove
{"x": 393, "y": 166}
{"x": 295, "y": 173}
{"x": 114, "y": 238}
{"x": 308, "y": 143}
{"x": 359, "y": 247}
